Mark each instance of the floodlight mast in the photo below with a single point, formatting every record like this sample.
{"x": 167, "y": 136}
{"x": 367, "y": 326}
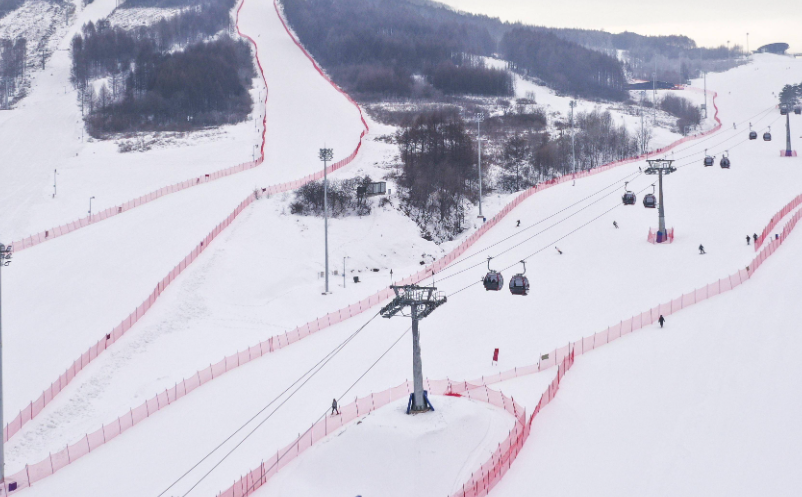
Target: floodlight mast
{"x": 422, "y": 301}
{"x": 325, "y": 155}
{"x": 661, "y": 167}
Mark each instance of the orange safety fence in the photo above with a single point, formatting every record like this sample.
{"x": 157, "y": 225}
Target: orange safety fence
{"x": 279, "y": 341}
{"x": 276, "y": 342}
{"x": 36, "y": 406}
{"x": 495, "y": 466}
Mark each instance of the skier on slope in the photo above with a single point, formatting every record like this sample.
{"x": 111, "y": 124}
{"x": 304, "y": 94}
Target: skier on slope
{"x": 755, "y": 237}
{"x": 615, "y": 224}
{"x": 748, "y": 239}
{"x": 661, "y": 320}
{"x": 558, "y": 250}
{"x": 701, "y": 249}
{"x": 334, "y": 408}
{"x": 519, "y": 224}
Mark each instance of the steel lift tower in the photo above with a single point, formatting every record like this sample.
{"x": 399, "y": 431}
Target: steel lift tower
{"x": 422, "y": 301}
{"x": 661, "y": 167}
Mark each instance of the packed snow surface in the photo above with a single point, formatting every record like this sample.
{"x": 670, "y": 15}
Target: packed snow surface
{"x": 260, "y": 278}
{"x": 392, "y": 454}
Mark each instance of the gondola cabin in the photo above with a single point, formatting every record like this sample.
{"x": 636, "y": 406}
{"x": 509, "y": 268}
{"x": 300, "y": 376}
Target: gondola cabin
{"x": 709, "y": 161}
{"x": 766, "y": 136}
{"x": 519, "y": 285}
{"x": 753, "y": 135}
{"x": 650, "y": 201}
{"x": 628, "y": 198}
{"x": 725, "y": 163}
{"x": 494, "y": 281}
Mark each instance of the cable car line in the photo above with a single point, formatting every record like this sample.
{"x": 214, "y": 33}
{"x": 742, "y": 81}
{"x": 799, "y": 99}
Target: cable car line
{"x": 544, "y": 219}
{"x": 557, "y": 223}
{"x": 311, "y": 372}
{"x": 548, "y": 245}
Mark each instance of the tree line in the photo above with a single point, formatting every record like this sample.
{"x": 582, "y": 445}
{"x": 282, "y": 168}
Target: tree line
{"x": 566, "y": 66}
{"x": 6, "y": 6}
{"x": 791, "y": 94}
{"x": 686, "y": 113}
{"x": 12, "y": 67}
{"x": 438, "y": 173}
{"x": 377, "y": 48}
{"x": 163, "y": 76}
{"x": 438, "y": 178}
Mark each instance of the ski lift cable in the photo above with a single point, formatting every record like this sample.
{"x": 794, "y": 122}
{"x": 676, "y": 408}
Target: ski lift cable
{"x": 325, "y": 412}
{"x": 549, "y": 245}
{"x": 729, "y": 148}
{"x": 309, "y": 374}
{"x": 478, "y": 252}
{"x": 694, "y": 154}
{"x": 763, "y": 114}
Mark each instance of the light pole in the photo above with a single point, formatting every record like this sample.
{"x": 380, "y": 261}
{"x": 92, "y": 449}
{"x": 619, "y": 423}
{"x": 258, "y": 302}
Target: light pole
{"x": 705, "y": 93}
{"x": 479, "y": 118}
{"x": 660, "y": 167}
{"x": 573, "y": 147}
{"x": 344, "y": 258}
{"x": 90, "y": 206}
{"x": 642, "y": 129}
{"x": 5, "y": 260}
{"x": 55, "y": 172}
{"x": 788, "y": 151}
{"x": 326, "y": 154}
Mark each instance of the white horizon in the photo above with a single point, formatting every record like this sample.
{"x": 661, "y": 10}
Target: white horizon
{"x": 711, "y": 24}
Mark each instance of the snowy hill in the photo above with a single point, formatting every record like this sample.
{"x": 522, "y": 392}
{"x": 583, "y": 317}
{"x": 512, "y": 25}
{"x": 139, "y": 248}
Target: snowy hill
{"x": 259, "y": 279}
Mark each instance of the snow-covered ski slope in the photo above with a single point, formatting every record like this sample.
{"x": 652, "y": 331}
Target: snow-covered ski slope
{"x": 45, "y": 133}
{"x": 76, "y": 288}
{"x": 607, "y": 273}
{"x": 705, "y": 406}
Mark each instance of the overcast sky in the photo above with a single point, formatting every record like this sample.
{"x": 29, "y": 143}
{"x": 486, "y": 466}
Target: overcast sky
{"x": 709, "y": 22}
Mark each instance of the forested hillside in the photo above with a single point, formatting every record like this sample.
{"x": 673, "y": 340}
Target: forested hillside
{"x": 377, "y": 47}
{"x": 167, "y": 76}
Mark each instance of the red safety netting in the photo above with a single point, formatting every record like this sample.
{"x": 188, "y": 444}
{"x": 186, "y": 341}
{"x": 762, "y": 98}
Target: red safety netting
{"x": 790, "y": 207}
{"x": 490, "y": 470}
{"x": 482, "y": 481}
{"x": 653, "y": 238}
{"x": 37, "y": 405}
{"x": 58, "y": 231}
{"x": 280, "y": 341}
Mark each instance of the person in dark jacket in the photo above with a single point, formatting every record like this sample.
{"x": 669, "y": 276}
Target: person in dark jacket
{"x": 755, "y": 237}
{"x": 519, "y": 224}
{"x": 701, "y": 249}
{"x": 661, "y": 320}
{"x": 615, "y": 224}
{"x": 748, "y": 239}
{"x": 334, "y": 408}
